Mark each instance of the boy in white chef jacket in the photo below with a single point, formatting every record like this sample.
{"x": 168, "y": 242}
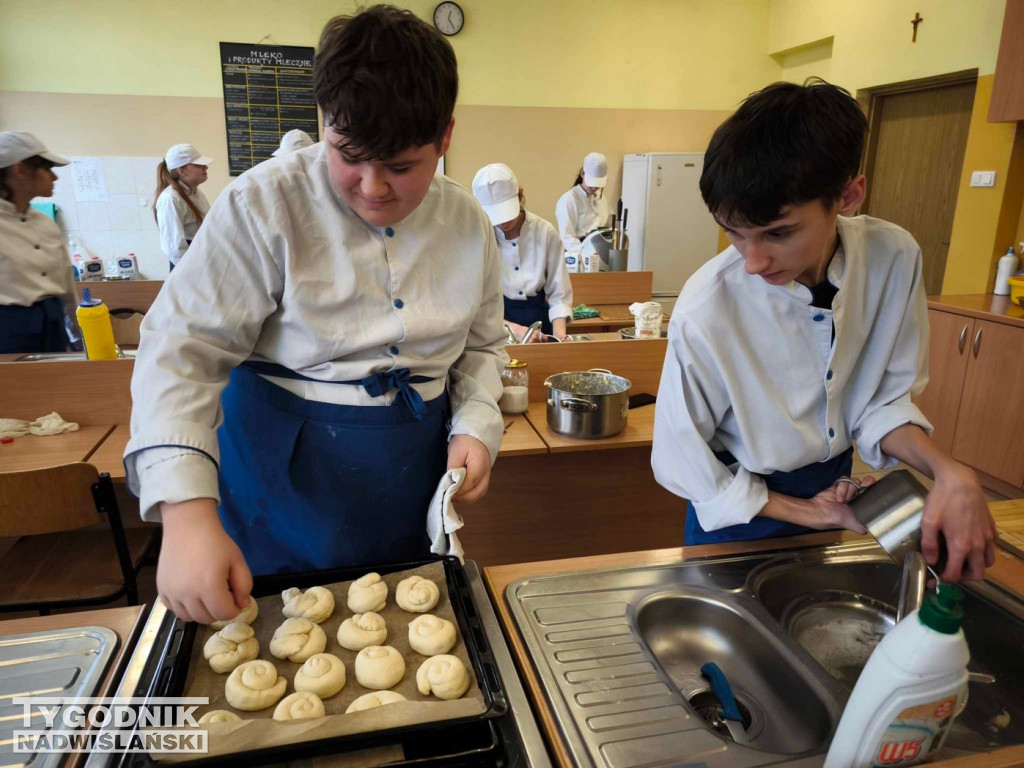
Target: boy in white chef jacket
{"x": 350, "y": 302}
{"x": 583, "y": 208}
{"x": 809, "y": 333}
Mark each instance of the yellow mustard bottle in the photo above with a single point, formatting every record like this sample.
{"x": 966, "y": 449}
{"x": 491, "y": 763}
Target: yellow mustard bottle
{"x": 97, "y": 332}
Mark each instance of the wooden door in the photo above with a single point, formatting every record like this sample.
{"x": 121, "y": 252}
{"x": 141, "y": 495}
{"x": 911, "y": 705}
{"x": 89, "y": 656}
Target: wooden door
{"x": 915, "y": 155}
{"x": 948, "y": 352}
{"x": 990, "y": 427}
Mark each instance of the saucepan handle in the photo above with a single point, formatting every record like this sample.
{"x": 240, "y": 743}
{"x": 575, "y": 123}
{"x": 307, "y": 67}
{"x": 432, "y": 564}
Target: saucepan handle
{"x": 577, "y": 405}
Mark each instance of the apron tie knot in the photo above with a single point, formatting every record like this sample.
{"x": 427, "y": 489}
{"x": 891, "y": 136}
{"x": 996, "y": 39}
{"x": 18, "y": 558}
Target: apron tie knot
{"x": 400, "y": 379}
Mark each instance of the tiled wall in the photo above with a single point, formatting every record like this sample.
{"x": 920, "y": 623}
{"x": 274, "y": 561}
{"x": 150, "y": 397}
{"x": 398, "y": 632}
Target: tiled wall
{"x": 122, "y": 225}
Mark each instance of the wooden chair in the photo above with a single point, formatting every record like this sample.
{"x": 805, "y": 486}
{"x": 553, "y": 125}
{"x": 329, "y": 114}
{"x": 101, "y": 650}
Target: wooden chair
{"x": 73, "y": 549}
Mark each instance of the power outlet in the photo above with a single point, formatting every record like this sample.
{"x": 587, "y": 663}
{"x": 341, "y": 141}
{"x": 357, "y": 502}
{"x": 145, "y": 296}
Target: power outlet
{"x": 983, "y": 178}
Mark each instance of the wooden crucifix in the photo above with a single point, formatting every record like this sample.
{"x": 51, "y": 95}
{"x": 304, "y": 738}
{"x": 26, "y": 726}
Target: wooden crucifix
{"x": 918, "y": 18}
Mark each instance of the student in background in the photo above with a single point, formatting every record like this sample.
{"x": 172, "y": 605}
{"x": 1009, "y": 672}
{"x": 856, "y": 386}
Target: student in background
{"x": 583, "y": 208}
{"x": 293, "y": 140}
{"x": 178, "y": 204}
{"x": 533, "y": 274}
{"x": 37, "y": 290}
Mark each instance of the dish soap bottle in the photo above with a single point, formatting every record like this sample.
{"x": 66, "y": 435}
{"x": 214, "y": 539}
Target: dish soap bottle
{"x": 912, "y": 687}
{"x": 97, "y": 332}
{"x": 1005, "y": 269}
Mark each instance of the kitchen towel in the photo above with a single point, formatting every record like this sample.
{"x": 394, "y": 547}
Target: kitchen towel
{"x": 442, "y": 519}
{"x": 50, "y": 424}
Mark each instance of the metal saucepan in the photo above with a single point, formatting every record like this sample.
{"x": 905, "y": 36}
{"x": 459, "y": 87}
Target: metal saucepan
{"x": 587, "y": 404}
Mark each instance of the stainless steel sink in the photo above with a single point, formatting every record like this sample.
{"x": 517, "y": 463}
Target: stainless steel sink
{"x": 619, "y": 653}
{"x": 63, "y": 357}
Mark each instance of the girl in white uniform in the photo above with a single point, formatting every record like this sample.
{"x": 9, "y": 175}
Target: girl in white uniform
{"x": 583, "y": 208}
{"x": 178, "y": 204}
{"x": 533, "y": 274}
{"x": 37, "y": 291}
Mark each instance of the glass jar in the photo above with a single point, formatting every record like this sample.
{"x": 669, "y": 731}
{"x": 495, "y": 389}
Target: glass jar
{"x": 515, "y": 382}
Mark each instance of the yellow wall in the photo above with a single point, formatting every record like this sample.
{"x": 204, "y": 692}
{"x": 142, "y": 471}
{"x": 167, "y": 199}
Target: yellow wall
{"x": 654, "y": 54}
{"x": 986, "y": 218}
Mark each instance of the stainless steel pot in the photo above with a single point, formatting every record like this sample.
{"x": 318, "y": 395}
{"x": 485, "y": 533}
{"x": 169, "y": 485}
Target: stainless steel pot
{"x": 587, "y": 404}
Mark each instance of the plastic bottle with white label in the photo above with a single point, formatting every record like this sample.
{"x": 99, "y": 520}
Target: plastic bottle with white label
{"x": 1005, "y": 269}
{"x": 76, "y": 258}
{"x": 912, "y": 687}
{"x": 126, "y": 267}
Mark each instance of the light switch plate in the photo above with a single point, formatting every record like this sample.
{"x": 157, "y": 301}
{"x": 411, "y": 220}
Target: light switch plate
{"x": 983, "y": 178}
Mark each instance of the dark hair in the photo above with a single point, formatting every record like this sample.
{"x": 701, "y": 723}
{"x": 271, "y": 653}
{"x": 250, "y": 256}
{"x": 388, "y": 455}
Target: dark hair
{"x": 386, "y": 80}
{"x": 35, "y": 163}
{"x": 786, "y": 145}
{"x": 579, "y": 178}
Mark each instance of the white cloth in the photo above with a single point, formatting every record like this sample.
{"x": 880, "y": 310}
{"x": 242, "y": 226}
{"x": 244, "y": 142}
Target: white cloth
{"x": 177, "y": 223}
{"x": 534, "y": 262}
{"x": 442, "y": 519}
{"x": 578, "y": 214}
{"x": 283, "y": 271}
{"x": 752, "y": 368}
{"x": 44, "y": 426}
{"x": 34, "y": 262}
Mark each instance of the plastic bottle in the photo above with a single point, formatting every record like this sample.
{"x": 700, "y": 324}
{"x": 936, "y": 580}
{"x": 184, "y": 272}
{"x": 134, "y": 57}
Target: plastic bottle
{"x": 1005, "y": 269}
{"x": 912, "y": 687}
{"x": 126, "y": 267}
{"x": 76, "y": 258}
{"x": 97, "y": 332}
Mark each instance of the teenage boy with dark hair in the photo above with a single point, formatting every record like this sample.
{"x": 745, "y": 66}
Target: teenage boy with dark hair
{"x": 809, "y": 333}
{"x": 347, "y": 303}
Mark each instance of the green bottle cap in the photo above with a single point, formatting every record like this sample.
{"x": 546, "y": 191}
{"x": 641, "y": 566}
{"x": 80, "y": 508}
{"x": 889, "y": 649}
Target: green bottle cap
{"x": 942, "y": 611}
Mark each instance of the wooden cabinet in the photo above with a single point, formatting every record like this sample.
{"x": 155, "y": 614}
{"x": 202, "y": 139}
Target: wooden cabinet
{"x": 990, "y": 426}
{"x": 948, "y": 353}
{"x": 1007, "y": 104}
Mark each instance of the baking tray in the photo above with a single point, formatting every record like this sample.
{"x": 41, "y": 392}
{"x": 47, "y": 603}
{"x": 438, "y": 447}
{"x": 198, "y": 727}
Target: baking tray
{"x": 69, "y": 663}
{"x": 167, "y": 670}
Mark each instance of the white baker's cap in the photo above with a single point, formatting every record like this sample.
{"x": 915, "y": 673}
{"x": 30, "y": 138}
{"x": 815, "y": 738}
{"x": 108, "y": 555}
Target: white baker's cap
{"x": 595, "y": 170}
{"x": 497, "y": 189}
{"x": 181, "y": 155}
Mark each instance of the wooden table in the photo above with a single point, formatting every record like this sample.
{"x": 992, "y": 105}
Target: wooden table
{"x": 32, "y": 452}
{"x": 520, "y": 438}
{"x": 612, "y": 317}
{"x": 639, "y": 431}
{"x": 109, "y": 455}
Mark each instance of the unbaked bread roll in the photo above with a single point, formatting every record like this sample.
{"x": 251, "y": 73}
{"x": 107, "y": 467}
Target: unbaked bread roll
{"x": 368, "y": 593}
{"x": 431, "y": 635}
{"x": 247, "y": 616}
{"x": 233, "y": 645}
{"x": 298, "y": 705}
{"x": 254, "y": 685}
{"x": 297, "y": 640}
{"x": 362, "y": 631}
{"x": 416, "y": 594}
{"x": 219, "y": 716}
{"x": 375, "y": 699}
{"x": 315, "y": 604}
{"x": 322, "y": 674}
{"x": 379, "y": 667}
{"x": 444, "y": 676}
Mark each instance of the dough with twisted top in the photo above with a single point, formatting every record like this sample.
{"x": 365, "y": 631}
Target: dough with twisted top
{"x": 379, "y": 667}
{"x": 247, "y": 616}
{"x": 233, "y": 645}
{"x": 297, "y": 640}
{"x": 254, "y": 685}
{"x": 416, "y": 594}
{"x": 373, "y": 700}
{"x": 362, "y": 631}
{"x": 298, "y": 705}
{"x": 431, "y": 635}
{"x": 219, "y": 716}
{"x": 315, "y": 604}
{"x": 444, "y": 676}
{"x": 322, "y": 674}
{"x": 368, "y": 593}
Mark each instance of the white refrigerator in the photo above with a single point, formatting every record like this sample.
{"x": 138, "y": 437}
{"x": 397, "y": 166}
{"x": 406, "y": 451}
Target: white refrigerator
{"x": 670, "y": 230}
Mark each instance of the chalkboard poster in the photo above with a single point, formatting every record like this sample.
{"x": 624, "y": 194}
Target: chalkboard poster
{"x": 268, "y": 91}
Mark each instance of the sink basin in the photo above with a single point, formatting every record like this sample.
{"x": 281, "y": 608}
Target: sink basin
{"x": 784, "y": 711}
{"x": 63, "y": 357}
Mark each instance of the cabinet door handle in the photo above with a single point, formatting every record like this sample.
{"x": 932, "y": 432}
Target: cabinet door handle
{"x": 976, "y": 343}
{"x": 963, "y": 340}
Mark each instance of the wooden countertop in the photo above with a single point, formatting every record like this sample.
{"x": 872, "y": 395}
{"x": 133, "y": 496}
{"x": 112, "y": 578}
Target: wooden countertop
{"x": 520, "y": 438}
{"x": 639, "y": 431}
{"x": 1007, "y": 571}
{"x": 109, "y": 455}
{"x": 33, "y": 452}
{"x": 612, "y": 316}
{"x": 985, "y": 306}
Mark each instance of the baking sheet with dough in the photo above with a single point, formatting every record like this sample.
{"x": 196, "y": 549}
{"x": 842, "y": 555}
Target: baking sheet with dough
{"x": 258, "y": 730}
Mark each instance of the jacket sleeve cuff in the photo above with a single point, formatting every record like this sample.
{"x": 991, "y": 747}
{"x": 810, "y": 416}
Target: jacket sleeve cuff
{"x": 880, "y": 423}
{"x": 738, "y": 504}
{"x": 556, "y": 311}
{"x": 482, "y": 421}
{"x": 171, "y": 474}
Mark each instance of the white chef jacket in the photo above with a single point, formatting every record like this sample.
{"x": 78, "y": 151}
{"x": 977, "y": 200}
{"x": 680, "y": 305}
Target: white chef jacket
{"x": 34, "y": 262}
{"x": 535, "y": 262}
{"x": 284, "y": 271}
{"x": 177, "y": 223}
{"x": 752, "y": 368}
{"x": 579, "y": 214}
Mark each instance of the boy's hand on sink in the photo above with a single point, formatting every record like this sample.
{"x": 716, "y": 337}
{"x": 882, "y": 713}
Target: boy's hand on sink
{"x": 832, "y": 504}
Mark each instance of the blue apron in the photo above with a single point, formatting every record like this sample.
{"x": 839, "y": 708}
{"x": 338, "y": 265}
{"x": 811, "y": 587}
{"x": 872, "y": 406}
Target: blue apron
{"x": 36, "y": 328}
{"x": 528, "y": 311}
{"x": 802, "y": 483}
{"x": 307, "y": 485}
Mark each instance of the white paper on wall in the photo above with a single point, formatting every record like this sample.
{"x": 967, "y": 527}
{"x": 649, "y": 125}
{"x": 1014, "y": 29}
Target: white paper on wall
{"x": 90, "y": 182}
